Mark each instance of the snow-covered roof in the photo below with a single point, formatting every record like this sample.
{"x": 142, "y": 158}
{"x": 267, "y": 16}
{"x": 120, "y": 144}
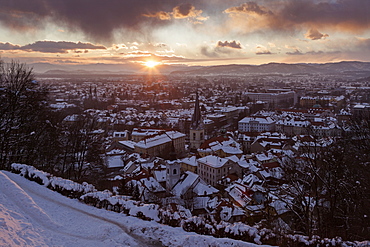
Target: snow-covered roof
{"x": 186, "y": 181}
{"x": 114, "y": 161}
{"x": 159, "y": 139}
{"x": 192, "y": 180}
{"x": 260, "y": 120}
{"x": 202, "y": 189}
{"x": 190, "y": 161}
{"x": 130, "y": 144}
{"x": 160, "y": 175}
{"x": 240, "y": 194}
{"x": 213, "y": 161}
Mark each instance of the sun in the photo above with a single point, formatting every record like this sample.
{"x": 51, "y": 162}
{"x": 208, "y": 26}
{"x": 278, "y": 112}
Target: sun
{"x": 151, "y": 64}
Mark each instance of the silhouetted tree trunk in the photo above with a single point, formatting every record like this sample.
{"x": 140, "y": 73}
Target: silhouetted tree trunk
{"x": 24, "y": 125}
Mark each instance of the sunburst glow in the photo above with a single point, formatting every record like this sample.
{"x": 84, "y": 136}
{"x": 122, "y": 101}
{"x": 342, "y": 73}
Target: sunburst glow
{"x": 151, "y": 64}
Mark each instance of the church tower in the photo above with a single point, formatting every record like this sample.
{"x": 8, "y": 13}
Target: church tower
{"x": 196, "y": 127}
{"x": 172, "y": 174}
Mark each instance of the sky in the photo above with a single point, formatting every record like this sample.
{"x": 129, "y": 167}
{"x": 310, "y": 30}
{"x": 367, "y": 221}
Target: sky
{"x": 194, "y": 32}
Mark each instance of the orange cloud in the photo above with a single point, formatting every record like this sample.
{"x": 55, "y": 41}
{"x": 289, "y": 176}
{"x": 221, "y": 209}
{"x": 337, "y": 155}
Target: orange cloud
{"x": 160, "y": 15}
{"x": 181, "y": 11}
{"x": 314, "y": 34}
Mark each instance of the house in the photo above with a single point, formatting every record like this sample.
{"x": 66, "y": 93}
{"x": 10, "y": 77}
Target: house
{"x": 161, "y": 143}
{"x": 189, "y": 164}
{"x": 221, "y": 146}
{"x": 227, "y": 211}
{"x": 193, "y": 191}
{"x": 240, "y": 194}
{"x": 191, "y": 185}
{"x": 138, "y": 134}
{"x": 212, "y": 168}
{"x": 256, "y": 124}
{"x": 120, "y": 136}
{"x": 147, "y": 188}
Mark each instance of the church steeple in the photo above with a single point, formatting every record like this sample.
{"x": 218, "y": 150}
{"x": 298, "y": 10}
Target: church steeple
{"x": 196, "y": 120}
{"x": 196, "y": 127}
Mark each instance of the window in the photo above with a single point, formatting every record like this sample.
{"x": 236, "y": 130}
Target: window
{"x": 194, "y": 136}
{"x": 174, "y": 171}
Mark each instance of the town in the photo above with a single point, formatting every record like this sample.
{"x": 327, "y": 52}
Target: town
{"x": 262, "y": 149}
{"x": 185, "y": 123}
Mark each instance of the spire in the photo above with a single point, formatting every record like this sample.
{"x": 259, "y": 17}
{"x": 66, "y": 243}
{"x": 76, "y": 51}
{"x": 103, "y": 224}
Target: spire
{"x": 196, "y": 120}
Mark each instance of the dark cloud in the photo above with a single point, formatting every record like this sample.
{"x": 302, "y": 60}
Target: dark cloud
{"x": 315, "y": 52}
{"x": 9, "y": 46}
{"x": 59, "y": 46}
{"x": 298, "y": 52}
{"x": 348, "y": 15}
{"x": 264, "y": 52}
{"x": 206, "y": 51}
{"x": 261, "y": 50}
{"x": 52, "y": 46}
{"x": 295, "y": 52}
{"x": 23, "y": 14}
{"x": 230, "y": 44}
{"x": 160, "y": 45}
{"x": 314, "y": 34}
{"x": 66, "y": 61}
{"x": 96, "y": 18}
{"x": 222, "y": 49}
{"x": 184, "y": 11}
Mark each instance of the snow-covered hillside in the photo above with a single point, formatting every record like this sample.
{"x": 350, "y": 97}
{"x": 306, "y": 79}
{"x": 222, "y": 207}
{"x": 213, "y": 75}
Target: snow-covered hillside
{"x": 32, "y": 215}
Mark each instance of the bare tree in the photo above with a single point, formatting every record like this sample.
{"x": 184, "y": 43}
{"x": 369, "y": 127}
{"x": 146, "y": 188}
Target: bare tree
{"x": 23, "y": 112}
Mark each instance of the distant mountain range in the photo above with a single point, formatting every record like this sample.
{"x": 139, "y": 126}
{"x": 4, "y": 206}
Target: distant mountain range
{"x": 360, "y": 68}
{"x": 281, "y": 68}
{"x": 57, "y": 69}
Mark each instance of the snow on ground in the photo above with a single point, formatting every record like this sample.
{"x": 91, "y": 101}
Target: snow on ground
{"x": 32, "y": 215}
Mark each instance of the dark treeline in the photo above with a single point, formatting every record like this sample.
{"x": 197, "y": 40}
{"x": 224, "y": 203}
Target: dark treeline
{"x": 330, "y": 186}
{"x": 31, "y": 133}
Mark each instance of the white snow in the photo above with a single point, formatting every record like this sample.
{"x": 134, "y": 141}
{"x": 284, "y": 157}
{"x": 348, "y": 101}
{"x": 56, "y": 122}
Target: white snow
{"x": 32, "y": 215}
{"x": 114, "y": 161}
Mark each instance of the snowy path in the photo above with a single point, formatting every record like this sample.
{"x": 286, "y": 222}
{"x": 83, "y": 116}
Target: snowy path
{"x": 42, "y": 214}
{"x": 32, "y": 215}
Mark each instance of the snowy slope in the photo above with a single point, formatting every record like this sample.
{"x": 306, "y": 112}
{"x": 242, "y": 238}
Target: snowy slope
{"x": 32, "y": 215}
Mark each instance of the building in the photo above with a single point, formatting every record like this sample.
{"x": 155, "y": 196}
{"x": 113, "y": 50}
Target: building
{"x": 172, "y": 174}
{"x": 161, "y": 144}
{"x": 309, "y": 102}
{"x": 197, "y": 127}
{"x": 361, "y": 111}
{"x": 292, "y": 127}
{"x": 138, "y": 134}
{"x": 256, "y": 124}
{"x": 120, "y": 136}
{"x": 221, "y": 146}
{"x": 189, "y": 164}
{"x": 212, "y": 168}
{"x": 230, "y": 113}
{"x": 273, "y": 99}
